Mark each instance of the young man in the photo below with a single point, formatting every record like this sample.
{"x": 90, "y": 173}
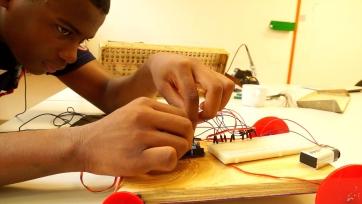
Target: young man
{"x": 139, "y": 134}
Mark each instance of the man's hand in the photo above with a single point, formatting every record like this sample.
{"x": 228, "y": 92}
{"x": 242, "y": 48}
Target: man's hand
{"x": 142, "y": 136}
{"x": 176, "y": 78}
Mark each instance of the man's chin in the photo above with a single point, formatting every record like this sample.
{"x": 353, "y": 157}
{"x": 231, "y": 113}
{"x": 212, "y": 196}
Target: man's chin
{"x": 35, "y": 71}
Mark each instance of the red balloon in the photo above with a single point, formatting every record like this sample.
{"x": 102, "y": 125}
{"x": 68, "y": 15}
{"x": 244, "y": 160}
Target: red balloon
{"x": 123, "y": 198}
{"x": 270, "y": 126}
{"x": 344, "y": 185}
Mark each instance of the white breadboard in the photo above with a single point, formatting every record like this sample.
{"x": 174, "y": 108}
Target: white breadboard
{"x": 260, "y": 148}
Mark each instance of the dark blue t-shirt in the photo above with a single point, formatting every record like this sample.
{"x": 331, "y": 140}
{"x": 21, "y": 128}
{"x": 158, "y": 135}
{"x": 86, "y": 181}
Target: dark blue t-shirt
{"x": 10, "y": 69}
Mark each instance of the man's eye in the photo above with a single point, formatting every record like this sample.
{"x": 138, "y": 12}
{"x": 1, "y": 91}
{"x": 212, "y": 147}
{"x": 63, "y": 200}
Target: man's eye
{"x": 63, "y": 31}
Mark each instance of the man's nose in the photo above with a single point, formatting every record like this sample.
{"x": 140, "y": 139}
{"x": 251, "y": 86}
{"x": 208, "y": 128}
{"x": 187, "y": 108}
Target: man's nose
{"x": 69, "y": 54}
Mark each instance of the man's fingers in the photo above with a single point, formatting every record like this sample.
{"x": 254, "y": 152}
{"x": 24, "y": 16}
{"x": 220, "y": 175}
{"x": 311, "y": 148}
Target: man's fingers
{"x": 212, "y": 102}
{"x": 160, "y": 139}
{"x": 162, "y": 107}
{"x": 228, "y": 88}
{"x": 164, "y": 117}
{"x": 171, "y": 119}
{"x": 157, "y": 159}
{"x": 173, "y": 124}
{"x": 188, "y": 91}
{"x": 218, "y": 91}
{"x": 170, "y": 123}
{"x": 170, "y": 93}
{"x": 214, "y": 92}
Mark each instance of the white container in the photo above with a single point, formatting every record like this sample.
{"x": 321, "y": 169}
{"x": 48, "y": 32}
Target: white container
{"x": 253, "y": 95}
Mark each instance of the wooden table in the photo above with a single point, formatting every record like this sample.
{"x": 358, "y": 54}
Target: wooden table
{"x": 200, "y": 179}
{"x": 206, "y": 178}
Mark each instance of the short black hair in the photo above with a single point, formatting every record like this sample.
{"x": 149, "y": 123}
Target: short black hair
{"x": 103, "y": 5}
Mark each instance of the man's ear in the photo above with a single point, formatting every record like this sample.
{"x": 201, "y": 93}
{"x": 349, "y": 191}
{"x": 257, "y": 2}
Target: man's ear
{"x": 4, "y": 3}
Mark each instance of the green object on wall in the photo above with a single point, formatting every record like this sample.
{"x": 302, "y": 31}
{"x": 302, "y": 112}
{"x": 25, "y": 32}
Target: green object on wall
{"x": 282, "y": 25}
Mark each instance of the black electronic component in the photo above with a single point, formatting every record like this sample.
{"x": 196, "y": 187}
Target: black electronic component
{"x": 195, "y": 151}
{"x": 251, "y": 133}
{"x": 221, "y": 138}
{"x": 232, "y": 138}
{"x": 215, "y": 140}
{"x": 319, "y": 157}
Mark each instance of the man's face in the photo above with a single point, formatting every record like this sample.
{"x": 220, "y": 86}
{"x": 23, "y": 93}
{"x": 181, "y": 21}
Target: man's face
{"x": 44, "y": 35}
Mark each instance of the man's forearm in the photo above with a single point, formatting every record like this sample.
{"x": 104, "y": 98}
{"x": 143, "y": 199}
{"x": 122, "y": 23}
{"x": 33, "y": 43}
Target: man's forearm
{"x": 125, "y": 89}
{"x": 109, "y": 93}
{"x": 33, "y": 154}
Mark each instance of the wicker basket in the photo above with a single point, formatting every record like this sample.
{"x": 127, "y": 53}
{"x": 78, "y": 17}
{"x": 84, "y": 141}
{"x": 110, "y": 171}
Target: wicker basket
{"x": 121, "y": 58}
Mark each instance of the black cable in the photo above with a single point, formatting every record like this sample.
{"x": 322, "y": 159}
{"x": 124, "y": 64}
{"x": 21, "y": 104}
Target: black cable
{"x": 70, "y": 112}
{"x": 24, "y": 130}
{"x": 232, "y": 61}
{"x": 305, "y": 137}
{"x": 305, "y": 129}
{"x": 62, "y": 116}
{"x": 277, "y": 96}
{"x": 25, "y": 96}
{"x": 236, "y": 53}
{"x": 217, "y": 124}
{"x": 237, "y": 116}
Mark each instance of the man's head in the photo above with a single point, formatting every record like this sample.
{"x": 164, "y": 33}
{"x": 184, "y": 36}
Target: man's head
{"x": 103, "y": 5}
{"x": 44, "y": 34}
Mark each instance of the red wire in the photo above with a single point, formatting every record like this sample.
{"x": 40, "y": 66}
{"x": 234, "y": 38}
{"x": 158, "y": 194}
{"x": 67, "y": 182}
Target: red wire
{"x": 116, "y": 184}
{"x": 235, "y": 115}
{"x": 228, "y": 130}
{"x": 271, "y": 176}
{"x": 117, "y": 180}
{"x": 221, "y": 126}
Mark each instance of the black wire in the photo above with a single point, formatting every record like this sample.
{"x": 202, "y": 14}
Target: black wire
{"x": 305, "y": 137}
{"x": 219, "y": 120}
{"x": 205, "y": 131}
{"x": 24, "y": 130}
{"x": 19, "y": 128}
{"x": 241, "y": 119}
{"x": 212, "y": 128}
{"x": 315, "y": 141}
{"x": 219, "y": 124}
{"x": 222, "y": 126}
{"x": 277, "y": 96}
{"x": 25, "y": 96}
{"x": 70, "y": 112}
{"x": 236, "y": 53}
{"x": 62, "y": 116}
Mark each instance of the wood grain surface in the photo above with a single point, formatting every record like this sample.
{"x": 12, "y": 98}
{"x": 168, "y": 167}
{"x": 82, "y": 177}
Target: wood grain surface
{"x": 206, "y": 179}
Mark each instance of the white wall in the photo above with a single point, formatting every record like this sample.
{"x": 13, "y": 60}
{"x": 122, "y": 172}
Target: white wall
{"x": 329, "y": 46}
{"x": 329, "y": 38}
{"x": 208, "y": 23}
{"x": 39, "y": 87}
{"x": 329, "y": 49}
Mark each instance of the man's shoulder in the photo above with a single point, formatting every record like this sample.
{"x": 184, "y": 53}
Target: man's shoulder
{"x": 7, "y": 59}
{"x": 9, "y": 70}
